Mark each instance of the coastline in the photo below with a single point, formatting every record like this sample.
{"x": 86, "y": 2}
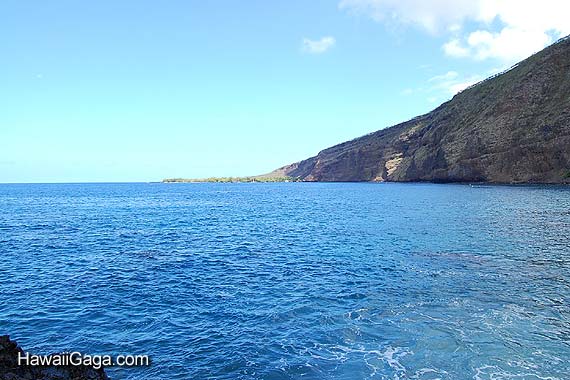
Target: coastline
{"x": 289, "y": 179}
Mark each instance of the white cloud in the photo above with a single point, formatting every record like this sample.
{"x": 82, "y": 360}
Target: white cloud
{"x": 453, "y": 48}
{"x": 433, "y": 16}
{"x": 452, "y": 82}
{"x": 442, "y": 87}
{"x": 510, "y": 44}
{"x": 318, "y": 46}
{"x": 458, "y": 86}
{"x": 506, "y": 30}
{"x": 450, "y": 75}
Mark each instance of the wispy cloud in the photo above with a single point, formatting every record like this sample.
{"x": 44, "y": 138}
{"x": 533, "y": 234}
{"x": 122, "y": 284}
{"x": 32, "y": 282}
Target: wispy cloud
{"x": 450, "y": 75}
{"x": 508, "y": 45}
{"x": 318, "y": 46}
{"x": 504, "y": 30}
{"x": 440, "y": 88}
{"x": 453, "y": 48}
{"x": 451, "y": 83}
{"x": 434, "y": 16}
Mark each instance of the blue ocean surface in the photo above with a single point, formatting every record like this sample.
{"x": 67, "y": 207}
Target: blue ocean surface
{"x": 292, "y": 280}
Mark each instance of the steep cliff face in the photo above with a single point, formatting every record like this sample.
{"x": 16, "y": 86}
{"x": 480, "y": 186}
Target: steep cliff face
{"x": 513, "y": 128}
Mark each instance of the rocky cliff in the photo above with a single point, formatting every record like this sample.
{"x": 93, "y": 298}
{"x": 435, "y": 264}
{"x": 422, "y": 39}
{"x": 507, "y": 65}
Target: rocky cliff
{"x": 511, "y": 128}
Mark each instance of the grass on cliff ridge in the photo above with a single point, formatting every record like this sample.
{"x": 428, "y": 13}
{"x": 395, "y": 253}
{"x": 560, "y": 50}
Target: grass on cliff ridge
{"x": 230, "y": 179}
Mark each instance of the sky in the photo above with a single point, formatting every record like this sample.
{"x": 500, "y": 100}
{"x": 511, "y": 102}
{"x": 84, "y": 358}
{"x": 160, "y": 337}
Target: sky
{"x": 140, "y": 90}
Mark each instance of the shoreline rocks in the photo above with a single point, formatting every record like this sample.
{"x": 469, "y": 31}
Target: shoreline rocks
{"x": 10, "y": 370}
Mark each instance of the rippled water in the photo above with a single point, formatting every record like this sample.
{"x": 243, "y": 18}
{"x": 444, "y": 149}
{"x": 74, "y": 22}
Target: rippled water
{"x": 289, "y": 281}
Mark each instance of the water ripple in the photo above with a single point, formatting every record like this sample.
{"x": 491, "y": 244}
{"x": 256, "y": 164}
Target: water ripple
{"x": 287, "y": 281}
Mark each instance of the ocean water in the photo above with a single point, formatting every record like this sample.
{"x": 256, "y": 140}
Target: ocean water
{"x": 292, "y": 280}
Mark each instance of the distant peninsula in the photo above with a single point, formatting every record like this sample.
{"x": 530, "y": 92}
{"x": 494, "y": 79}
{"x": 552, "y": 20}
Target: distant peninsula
{"x": 232, "y": 179}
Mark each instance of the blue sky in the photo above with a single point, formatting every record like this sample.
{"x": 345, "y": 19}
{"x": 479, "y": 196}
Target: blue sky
{"x": 139, "y": 90}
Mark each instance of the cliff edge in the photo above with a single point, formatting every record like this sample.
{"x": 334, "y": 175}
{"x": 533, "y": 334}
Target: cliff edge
{"x": 510, "y": 128}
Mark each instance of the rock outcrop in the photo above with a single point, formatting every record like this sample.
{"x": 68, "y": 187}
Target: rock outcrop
{"x": 10, "y": 370}
{"x": 511, "y": 128}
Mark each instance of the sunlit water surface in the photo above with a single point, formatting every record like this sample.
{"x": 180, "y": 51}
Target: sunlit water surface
{"x": 291, "y": 281}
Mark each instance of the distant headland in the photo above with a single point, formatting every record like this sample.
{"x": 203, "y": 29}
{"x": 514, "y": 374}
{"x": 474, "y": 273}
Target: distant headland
{"x": 511, "y": 128}
{"x": 232, "y": 179}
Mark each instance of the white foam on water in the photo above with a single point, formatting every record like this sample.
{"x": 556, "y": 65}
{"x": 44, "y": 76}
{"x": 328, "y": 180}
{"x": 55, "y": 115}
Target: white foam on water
{"x": 492, "y": 372}
{"x": 375, "y": 359}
